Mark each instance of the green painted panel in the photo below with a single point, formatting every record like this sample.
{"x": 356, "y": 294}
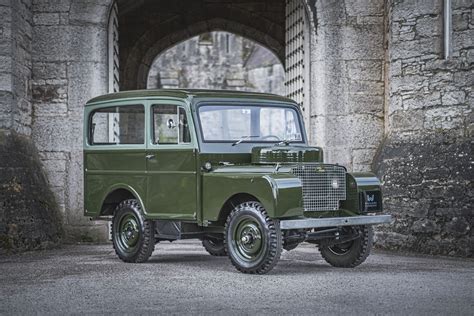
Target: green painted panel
{"x": 172, "y": 183}
{"x": 280, "y": 194}
{"x": 106, "y": 171}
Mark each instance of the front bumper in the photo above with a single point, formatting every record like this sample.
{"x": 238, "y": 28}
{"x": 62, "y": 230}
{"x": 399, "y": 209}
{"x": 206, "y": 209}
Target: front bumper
{"x": 334, "y": 221}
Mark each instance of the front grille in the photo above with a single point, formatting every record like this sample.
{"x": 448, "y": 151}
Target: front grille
{"x": 319, "y": 193}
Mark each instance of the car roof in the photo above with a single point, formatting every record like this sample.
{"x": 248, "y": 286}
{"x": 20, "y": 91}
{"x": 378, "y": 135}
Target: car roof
{"x": 185, "y": 94}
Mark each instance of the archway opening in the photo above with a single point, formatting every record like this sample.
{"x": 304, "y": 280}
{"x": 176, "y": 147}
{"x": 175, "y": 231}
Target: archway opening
{"x": 218, "y": 60}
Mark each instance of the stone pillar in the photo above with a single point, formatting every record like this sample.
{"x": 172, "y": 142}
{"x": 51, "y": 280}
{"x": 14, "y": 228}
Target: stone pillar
{"x": 69, "y": 67}
{"x": 347, "y": 88}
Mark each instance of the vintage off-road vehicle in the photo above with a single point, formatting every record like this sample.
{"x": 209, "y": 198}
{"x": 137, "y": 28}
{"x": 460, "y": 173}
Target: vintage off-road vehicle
{"x": 232, "y": 169}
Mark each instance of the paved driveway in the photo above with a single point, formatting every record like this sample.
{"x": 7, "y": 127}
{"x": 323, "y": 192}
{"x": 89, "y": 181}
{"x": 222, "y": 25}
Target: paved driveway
{"x": 181, "y": 278}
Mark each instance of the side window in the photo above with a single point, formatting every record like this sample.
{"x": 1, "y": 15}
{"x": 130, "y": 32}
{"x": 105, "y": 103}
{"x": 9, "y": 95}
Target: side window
{"x": 170, "y": 125}
{"x": 117, "y": 125}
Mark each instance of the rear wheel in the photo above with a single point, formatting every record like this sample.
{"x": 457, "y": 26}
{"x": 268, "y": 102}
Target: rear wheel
{"x": 352, "y": 253}
{"x": 252, "y": 239}
{"x": 214, "y": 246}
{"x": 132, "y": 235}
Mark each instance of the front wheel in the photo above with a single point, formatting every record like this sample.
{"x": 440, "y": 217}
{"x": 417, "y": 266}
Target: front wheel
{"x": 352, "y": 253}
{"x": 253, "y": 240}
{"x": 132, "y": 235}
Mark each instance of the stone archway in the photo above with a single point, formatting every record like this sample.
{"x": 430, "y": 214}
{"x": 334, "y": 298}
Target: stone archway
{"x": 262, "y": 22}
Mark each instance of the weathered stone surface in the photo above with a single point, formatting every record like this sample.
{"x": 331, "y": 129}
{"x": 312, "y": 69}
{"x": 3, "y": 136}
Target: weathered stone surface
{"x": 29, "y": 217}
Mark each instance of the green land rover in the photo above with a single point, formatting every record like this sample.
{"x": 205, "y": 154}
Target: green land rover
{"x": 233, "y": 169}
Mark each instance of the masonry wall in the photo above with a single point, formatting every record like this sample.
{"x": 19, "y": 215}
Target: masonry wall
{"x": 426, "y": 160}
{"x": 29, "y": 217}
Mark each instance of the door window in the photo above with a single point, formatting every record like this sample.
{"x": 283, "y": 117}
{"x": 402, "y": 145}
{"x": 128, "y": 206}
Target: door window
{"x": 117, "y": 125}
{"x": 170, "y": 125}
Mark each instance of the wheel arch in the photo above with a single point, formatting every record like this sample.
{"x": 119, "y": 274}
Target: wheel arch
{"x": 117, "y": 194}
{"x": 232, "y": 202}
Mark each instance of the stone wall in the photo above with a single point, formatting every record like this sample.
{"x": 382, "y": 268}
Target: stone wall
{"x": 29, "y": 218}
{"x": 426, "y": 161}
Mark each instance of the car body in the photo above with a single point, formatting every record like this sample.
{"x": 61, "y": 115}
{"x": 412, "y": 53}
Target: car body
{"x": 190, "y": 163}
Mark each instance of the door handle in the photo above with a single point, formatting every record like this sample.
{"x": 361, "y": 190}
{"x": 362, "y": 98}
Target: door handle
{"x": 149, "y": 156}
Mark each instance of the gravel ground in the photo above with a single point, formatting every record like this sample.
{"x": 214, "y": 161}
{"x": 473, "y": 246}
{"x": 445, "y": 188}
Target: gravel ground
{"x": 181, "y": 278}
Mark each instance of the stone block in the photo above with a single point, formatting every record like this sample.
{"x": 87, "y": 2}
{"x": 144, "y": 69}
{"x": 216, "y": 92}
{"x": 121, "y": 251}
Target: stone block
{"x": 86, "y": 80}
{"x": 365, "y": 131}
{"x": 57, "y": 133}
{"x": 429, "y": 26}
{"x": 96, "y": 12}
{"x": 46, "y": 19}
{"x": 51, "y": 43}
{"x": 363, "y": 103}
{"x": 362, "y": 159}
{"x": 88, "y": 43}
{"x": 444, "y": 118}
{"x": 361, "y": 42}
{"x": 366, "y": 87}
{"x": 364, "y": 7}
{"x": 5, "y": 65}
{"x": 453, "y": 97}
{"x": 56, "y": 70}
{"x": 6, "y": 82}
{"x": 365, "y": 69}
{"x": 460, "y": 22}
{"x": 50, "y": 109}
{"x": 421, "y": 101}
{"x": 463, "y": 39}
{"x": 51, "y": 5}
{"x": 406, "y": 120}
{"x": 416, "y": 48}
{"x": 409, "y": 9}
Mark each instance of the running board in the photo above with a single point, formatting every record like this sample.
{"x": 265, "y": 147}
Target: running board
{"x": 334, "y": 221}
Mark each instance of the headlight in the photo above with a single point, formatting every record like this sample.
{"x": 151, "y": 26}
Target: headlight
{"x": 335, "y": 183}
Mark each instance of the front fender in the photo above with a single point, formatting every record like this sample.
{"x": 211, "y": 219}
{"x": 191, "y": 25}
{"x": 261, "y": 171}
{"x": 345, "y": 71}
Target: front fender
{"x": 280, "y": 194}
{"x": 358, "y": 185}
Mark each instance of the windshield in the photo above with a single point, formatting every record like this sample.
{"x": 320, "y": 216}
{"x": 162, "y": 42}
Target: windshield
{"x": 249, "y": 123}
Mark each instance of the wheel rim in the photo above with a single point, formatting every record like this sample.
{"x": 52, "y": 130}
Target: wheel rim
{"x": 128, "y": 233}
{"x": 248, "y": 239}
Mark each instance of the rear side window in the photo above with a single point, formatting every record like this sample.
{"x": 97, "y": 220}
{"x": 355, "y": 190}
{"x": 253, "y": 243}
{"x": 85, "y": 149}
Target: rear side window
{"x": 170, "y": 125}
{"x": 117, "y": 125}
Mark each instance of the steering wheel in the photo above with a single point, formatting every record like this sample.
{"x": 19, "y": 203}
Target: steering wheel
{"x": 271, "y": 136}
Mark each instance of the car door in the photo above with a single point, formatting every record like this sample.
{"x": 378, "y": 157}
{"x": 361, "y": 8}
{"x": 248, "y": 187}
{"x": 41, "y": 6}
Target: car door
{"x": 171, "y": 163}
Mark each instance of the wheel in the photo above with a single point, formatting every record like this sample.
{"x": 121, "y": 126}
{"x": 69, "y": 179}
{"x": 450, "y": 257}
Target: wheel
{"x": 214, "y": 246}
{"x": 352, "y": 253}
{"x": 132, "y": 236}
{"x": 252, "y": 239}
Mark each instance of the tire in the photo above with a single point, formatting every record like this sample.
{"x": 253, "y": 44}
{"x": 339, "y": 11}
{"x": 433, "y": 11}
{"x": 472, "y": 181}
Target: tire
{"x": 352, "y": 253}
{"x": 133, "y": 237}
{"x": 261, "y": 249}
{"x": 215, "y": 247}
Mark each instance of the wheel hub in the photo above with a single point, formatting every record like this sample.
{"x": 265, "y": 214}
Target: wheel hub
{"x": 129, "y": 231}
{"x": 248, "y": 239}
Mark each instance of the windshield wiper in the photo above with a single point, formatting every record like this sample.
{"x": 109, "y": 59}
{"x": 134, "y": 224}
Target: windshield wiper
{"x": 243, "y": 138}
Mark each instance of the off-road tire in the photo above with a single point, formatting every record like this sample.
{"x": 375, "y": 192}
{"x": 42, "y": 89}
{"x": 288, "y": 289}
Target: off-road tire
{"x": 145, "y": 240}
{"x": 354, "y": 255}
{"x": 269, "y": 247}
{"x": 214, "y": 247}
